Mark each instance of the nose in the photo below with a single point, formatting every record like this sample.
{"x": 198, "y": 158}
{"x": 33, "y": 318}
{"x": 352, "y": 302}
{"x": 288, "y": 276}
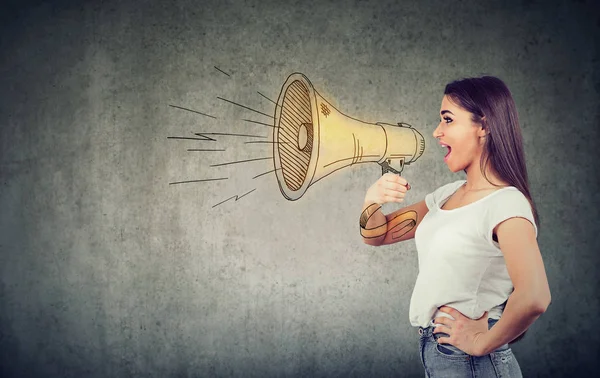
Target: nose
{"x": 437, "y": 132}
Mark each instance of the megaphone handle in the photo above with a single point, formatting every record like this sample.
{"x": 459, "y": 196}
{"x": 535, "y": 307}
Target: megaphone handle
{"x": 385, "y": 168}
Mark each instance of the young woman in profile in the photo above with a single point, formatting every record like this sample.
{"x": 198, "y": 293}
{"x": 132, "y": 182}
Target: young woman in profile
{"x": 481, "y": 280}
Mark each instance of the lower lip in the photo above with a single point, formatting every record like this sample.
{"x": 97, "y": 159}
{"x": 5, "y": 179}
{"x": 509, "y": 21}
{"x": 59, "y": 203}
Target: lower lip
{"x": 447, "y": 156}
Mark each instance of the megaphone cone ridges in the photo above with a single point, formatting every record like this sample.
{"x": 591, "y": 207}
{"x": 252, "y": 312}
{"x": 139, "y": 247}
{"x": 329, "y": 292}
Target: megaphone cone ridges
{"x": 294, "y": 150}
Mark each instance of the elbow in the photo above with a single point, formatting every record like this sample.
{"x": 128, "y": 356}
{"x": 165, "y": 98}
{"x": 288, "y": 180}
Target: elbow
{"x": 374, "y": 239}
{"x": 539, "y": 308}
{"x": 375, "y": 242}
{"x": 533, "y": 302}
{"x": 540, "y": 304}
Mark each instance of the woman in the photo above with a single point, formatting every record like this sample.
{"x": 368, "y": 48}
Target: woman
{"x": 481, "y": 279}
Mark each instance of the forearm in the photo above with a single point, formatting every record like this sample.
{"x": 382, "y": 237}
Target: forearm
{"x": 522, "y": 309}
{"x": 374, "y": 227}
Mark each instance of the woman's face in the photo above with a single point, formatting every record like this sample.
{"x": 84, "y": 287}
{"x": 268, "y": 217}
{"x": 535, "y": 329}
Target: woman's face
{"x": 459, "y": 135}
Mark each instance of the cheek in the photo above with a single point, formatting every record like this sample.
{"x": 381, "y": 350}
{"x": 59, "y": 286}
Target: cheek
{"x": 469, "y": 143}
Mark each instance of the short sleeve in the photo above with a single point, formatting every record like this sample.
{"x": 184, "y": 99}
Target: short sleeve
{"x": 433, "y": 199}
{"x": 508, "y": 204}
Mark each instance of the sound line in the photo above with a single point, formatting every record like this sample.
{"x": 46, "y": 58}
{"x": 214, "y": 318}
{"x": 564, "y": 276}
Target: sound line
{"x": 222, "y": 71}
{"x": 240, "y": 135}
{"x": 267, "y": 98}
{"x": 193, "y": 111}
{"x": 262, "y": 174}
{"x": 261, "y": 123}
{"x": 183, "y": 182}
{"x": 205, "y": 138}
{"x": 195, "y": 149}
{"x": 245, "y": 107}
{"x": 264, "y": 141}
{"x": 236, "y": 197}
{"x": 241, "y": 161}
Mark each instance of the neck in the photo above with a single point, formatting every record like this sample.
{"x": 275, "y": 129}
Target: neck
{"x": 476, "y": 180}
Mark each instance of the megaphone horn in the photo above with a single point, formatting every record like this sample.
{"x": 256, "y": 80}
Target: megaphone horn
{"x": 312, "y": 139}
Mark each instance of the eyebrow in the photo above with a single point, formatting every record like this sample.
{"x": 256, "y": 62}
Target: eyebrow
{"x": 446, "y": 111}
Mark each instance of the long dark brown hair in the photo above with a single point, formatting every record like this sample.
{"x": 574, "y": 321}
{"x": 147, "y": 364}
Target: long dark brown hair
{"x": 491, "y": 104}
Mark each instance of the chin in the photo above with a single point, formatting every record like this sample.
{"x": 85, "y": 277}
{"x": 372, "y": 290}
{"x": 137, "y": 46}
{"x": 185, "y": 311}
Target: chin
{"x": 456, "y": 168}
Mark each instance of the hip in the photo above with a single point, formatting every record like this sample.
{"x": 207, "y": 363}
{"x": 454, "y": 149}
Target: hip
{"x": 444, "y": 360}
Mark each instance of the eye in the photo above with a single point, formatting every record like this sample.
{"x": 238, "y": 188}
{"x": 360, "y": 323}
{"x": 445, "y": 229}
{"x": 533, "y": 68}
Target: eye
{"x": 447, "y": 119}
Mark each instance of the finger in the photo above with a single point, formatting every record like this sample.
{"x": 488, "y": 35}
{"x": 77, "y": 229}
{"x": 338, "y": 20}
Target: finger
{"x": 395, "y": 190}
{"x": 443, "y": 320}
{"x": 451, "y": 311}
{"x": 443, "y": 340}
{"x": 484, "y": 316}
{"x": 401, "y": 180}
{"x": 394, "y": 187}
{"x": 393, "y": 198}
{"x": 400, "y": 188}
{"x": 391, "y": 177}
{"x": 388, "y": 183}
{"x": 442, "y": 329}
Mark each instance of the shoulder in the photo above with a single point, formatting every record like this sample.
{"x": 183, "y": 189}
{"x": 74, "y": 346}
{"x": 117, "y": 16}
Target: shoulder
{"x": 509, "y": 204}
{"x": 509, "y": 196}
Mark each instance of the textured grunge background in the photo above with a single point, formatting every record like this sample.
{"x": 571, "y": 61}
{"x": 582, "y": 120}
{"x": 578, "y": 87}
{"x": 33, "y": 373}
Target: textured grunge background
{"x": 108, "y": 270}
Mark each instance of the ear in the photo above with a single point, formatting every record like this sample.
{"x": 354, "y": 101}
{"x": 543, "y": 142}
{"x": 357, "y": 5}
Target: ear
{"x": 482, "y": 129}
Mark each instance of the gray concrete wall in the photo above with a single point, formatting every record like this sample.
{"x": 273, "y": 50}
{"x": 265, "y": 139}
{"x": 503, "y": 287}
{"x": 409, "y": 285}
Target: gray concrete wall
{"x": 109, "y": 271}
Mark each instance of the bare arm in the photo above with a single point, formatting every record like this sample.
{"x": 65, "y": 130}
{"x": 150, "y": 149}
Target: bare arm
{"x": 379, "y": 229}
{"x": 531, "y": 296}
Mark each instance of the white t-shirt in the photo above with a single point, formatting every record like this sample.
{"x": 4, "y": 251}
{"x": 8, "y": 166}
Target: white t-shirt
{"x": 460, "y": 265}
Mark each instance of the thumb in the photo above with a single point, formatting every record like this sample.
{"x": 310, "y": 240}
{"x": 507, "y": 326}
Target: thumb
{"x": 484, "y": 316}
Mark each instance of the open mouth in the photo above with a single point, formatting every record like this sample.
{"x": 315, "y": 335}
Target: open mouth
{"x": 448, "y": 153}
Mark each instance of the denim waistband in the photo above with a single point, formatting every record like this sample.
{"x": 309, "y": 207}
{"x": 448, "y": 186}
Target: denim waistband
{"x": 428, "y": 331}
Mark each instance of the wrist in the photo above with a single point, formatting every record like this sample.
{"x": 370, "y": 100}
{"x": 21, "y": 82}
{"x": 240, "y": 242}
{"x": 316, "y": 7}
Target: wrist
{"x": 370, "y": 202}
{"x": 371, "y": 199}
{"x": 483, "y": 344}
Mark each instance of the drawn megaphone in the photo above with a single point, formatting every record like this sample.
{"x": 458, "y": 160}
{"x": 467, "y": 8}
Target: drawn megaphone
{"x": 312, "y": 139}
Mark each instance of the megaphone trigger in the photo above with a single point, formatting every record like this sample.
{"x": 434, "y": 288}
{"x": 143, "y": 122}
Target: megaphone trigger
{"x": 395, "y": 166}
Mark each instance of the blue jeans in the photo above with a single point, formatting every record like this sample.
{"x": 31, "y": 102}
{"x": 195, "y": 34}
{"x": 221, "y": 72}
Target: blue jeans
{"x": 445, "y": 360}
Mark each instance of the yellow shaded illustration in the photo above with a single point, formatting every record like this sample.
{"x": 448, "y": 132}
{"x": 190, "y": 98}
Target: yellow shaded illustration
{"x": 312, "y": 139}
{"x": 395, "y": 227}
